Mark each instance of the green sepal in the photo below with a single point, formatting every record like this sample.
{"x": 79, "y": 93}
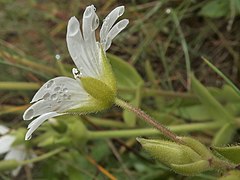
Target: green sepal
{"x": 224, "y": 135}
{"x": 92, "y": 106}
{"x": 98, "y": 90}
{"x": 191, "y": 169}
{"x": 197, "y": 146}
{"x": 232, "y": 153}
{"x": 108, "y": 75}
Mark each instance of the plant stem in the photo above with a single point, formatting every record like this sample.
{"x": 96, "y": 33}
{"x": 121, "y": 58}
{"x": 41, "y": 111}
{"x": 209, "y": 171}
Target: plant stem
{"x": 42, "y": 157}
{"x": 150, "y": 131}
{"x": 165, "y": 131}
{"x": 105, "y": 122}
{"x": 18, "y": 86}
{"x": 184, "y": 47}
{"x": 156, "y": 92}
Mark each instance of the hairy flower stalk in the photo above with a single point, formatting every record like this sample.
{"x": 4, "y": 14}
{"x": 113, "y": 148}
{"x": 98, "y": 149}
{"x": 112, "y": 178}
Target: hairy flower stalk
{"x": 93, "y": 87}
{"x": 165, "y": 131}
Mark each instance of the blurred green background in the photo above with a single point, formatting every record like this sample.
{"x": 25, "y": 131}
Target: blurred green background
{"x": 163, "y": 42}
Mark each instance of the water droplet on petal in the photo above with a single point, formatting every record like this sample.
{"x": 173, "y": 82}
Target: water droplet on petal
{"x": 76, "y": 73}
{"x": 54, "y": 97}
{"x": 28, "y": 114}
{"x": 46, "y": 96}
{"x": 65, "y": 90}
{"x": 65, "y": 96}
{"x": 50, "y": 83}
{"x": 57, "y": 88}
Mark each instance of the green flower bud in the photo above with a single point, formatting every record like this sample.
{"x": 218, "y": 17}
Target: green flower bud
{"x": 169, "y": 152}
{"x": 8, "y": 165}
{"x": 198, "y": 147}
{"x": 191, "y": 169}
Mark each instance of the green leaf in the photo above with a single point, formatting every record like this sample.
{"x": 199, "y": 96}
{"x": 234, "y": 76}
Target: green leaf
{"x": 215, "y": 9}
{"x": 232, "y": 153}
{"x": 226, "y": 94}
{"x": 129, "y": 117}
{"x": 127, "y": 78}
{"x": 224, "y": 135}
{"x": 193, "y": 113}
{"x": 214, "y": 108}
{"x": 228, "y": 81}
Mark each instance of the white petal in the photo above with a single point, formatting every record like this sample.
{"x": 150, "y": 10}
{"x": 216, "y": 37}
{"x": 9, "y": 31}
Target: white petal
{"x": 109, "y": 21}
{"x": 37, "y": 122}
{"x": 56, "y": 85}
{"x": 63, "y": 93}
{"x": 3, "y": 130}
{"x": 117, "y": 28}
{"x": 19, "y": 154}
{"x": 83, "y": 50}
{"x": 90, "y": 24}
{"x": 6, "y": 143}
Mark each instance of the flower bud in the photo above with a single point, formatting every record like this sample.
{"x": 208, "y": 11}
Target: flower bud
{"x": 169, "y": 152}
{"x": 191, "y": 169}
{"x": 198, "y": 147}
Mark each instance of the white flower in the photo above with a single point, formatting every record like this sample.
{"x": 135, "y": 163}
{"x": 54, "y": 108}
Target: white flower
{"x": 18, "y": 152}
{"x": 62, "y": 94}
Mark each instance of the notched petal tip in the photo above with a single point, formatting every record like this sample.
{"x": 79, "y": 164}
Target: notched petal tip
{"x": 120, "y": 10}
{"x": 88, "y": 11}
{"x": 73, "y": 27}
{"x": 123, "y": 23}
{"x": 28, "y": 114}
{"x": 28, "y": 136}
